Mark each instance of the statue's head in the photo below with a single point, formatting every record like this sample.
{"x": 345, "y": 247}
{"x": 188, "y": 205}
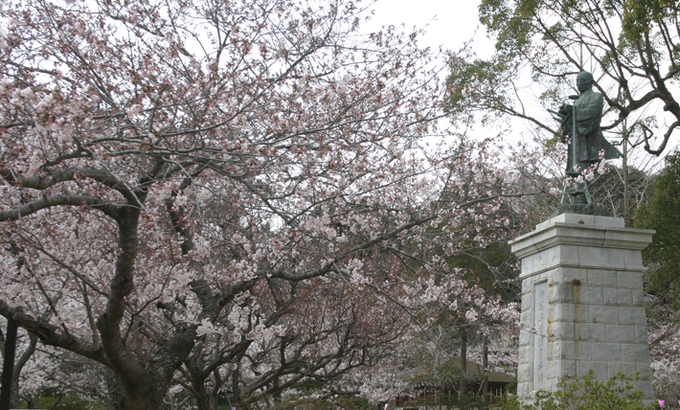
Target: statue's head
{"x": 584, "y": 81}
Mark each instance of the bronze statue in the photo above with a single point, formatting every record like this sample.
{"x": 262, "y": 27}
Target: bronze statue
{"x": 581, "y": 127}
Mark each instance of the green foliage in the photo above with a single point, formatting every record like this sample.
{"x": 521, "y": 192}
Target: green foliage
{"x": 513, "y": 34}
{"x": 639, "y": 14}
{"x": 313, "y": 394}
{"x": 474, "y": 81}
{"x": 662, "y": 214}
{"x": 556, "y": 39}
{"x": 67, "y": 402}
{"x": 585, "y": 394}
{"x": 336, "y": 403}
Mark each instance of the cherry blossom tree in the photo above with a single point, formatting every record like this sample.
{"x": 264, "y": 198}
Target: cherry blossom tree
{"x": 224, "y": 194}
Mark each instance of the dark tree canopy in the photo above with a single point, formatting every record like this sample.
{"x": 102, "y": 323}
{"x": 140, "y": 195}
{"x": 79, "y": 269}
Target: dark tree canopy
{"x": 663, "y": 215}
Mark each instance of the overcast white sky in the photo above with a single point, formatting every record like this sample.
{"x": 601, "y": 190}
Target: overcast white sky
{"x": 448, "y": 22}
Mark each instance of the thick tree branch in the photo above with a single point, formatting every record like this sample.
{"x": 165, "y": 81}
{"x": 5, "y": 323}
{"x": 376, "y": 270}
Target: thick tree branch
{"x": 52, "y": 335}
{"x": 45, "y": 202}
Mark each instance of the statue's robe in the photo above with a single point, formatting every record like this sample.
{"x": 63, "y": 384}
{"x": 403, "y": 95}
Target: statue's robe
{"x": 589, "y": 138}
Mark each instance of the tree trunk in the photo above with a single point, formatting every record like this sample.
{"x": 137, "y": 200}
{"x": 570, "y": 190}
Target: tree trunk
{"x": 206, "y": 398}
{"x": 206, "y": 401}
{"x": 485, "y": 364}
{"x": 236, "y": 391}
{"x": 626, "y": 184}
{"x": 148, "y": 395}
{"x": 137, "y": 401}
{"x": 463, "y": 362}
{"x": 8, "y": 365}
{"x": 18, "y": 366}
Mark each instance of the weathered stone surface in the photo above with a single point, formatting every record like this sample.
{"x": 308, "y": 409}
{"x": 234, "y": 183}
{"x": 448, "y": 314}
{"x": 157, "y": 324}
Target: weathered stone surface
{"x": 632, "y": 315}
{"x": 611, "y": 352}
{"x": 617, "y": 297}
{"x": 585, "y": 209}
{"x": 583, "y": 367}
{"x": 620, "y": 333}
{"x": 627, "y": 368}
{"x": 589, "y": 331}
{"x": 592, "y": 267}
{"x": 630, "y": 280}
{"x": 600, "y": 277}
{"x": 564, "y": 330}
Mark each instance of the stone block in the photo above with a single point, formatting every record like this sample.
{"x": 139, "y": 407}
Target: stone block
{"x": 600, "y": 277}
{"x": 568, "y": 256}
{"x": 552, "y": 385}
{"x": 524, "y": 390}
{"x": 525, "y": 354}
{"x": 542, "y": 239}
{"x": 631, "y": 280}
{"x": 641, "y": 335}
{"x": 572, "y": 350}
{"x": 561, "y": 293}
{"x": 609, "y": 222}
{"x": 562, "y": 312}
{"x": 540, "y": 262}
{"x": 637, "y": 297}
{"x": 606, "y": 351}
{"x": 633, "y": 260}
{"x": 588, "y": 220}
{"x": 595, "y": 257}
{"x": 524, "y": 372}
{"x": 644, "y": 370}
{"x": 527, "y": 265}
{"x": 546, "y": 259}
{"x": 589, "y": 295}
{"x": 582, "y": 314}
{"x": 567, "y": 368}
{"x": 556, "y": 349}
{"x": 569, "y": 275}
{"x": 604, "y": 314}
{"x": 635, "y": 353}
{"x": 617, "y": 296}
{"x": 560, "y": 369}
{"x": 631, "y": 239}
{"x": 632, "y": 315}
{"x": 645, "y": 386}
{"x": 589, "y": 331}
{"x": 599, "y": 368}
{"x": 620, "y": 333}
{"x": 525, "y": 337}
{"x": 583, "y": 220}
{"x": 561, "y": 330}
{"x": 629, "y": 369}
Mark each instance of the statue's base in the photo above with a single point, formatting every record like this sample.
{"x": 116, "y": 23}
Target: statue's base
{"x": 583, "y": 209}
{"x": 583, "y": 304}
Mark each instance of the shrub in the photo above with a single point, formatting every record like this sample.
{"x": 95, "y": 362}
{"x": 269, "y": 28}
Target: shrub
{"x": 585, "y": 394}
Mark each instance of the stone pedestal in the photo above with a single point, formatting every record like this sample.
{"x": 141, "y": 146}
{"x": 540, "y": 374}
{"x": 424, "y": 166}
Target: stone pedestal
{"x": 582, "y": 303}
